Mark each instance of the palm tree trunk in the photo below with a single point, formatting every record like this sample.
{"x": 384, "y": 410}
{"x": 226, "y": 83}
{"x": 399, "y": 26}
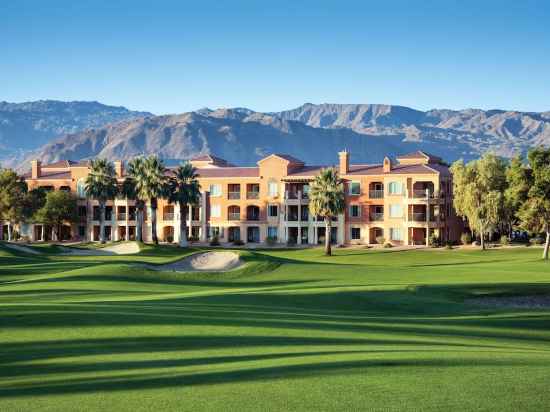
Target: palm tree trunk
{"x": 154, "y": 221}
{"x": 101, "y": 222}
{"x": 183, "y": 224}
{"x": 547, "y": 244}
{"x": 328, "y": 233}
{"x": 139, "y": 221}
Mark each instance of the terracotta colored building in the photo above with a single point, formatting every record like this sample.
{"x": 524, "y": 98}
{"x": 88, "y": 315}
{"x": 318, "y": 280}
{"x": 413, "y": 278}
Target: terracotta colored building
{"x": 403, "y": 202}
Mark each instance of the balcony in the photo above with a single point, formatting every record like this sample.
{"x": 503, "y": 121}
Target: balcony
{"x": 233, "y": 216}
{"x": 291, "y": 195}
{"x": 167, "y": 216}
{"x": 417, "y": 217}
{"x": 121, "y": 216}
{"x": 234, "y": 195}
{"x": 377, "y": 216}
{"x": 252, "y": 195}
{"x": 376, "y": 194}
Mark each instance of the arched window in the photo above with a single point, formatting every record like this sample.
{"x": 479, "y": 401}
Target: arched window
{"x": 252, "y": 213}
{"x": 233, "y": 213}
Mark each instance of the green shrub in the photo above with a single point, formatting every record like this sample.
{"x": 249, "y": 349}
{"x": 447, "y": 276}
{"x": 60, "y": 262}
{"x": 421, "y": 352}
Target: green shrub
{"x": 270, "y": 241}
{"x": 193, "y": 239}
{"x": 504, "y": 240}
{"x": 380, "y": 240}
{"x": 214, "y": 241}
{"x": 537, "y": 240}
{"x": 449, "y": 245}
{"x": 388, "y": 245}
{"x": 466, "y": 238}
{"x": 238, "y": 242}
{"x": 434, "y": 240}
{"x": 169, "y": 239}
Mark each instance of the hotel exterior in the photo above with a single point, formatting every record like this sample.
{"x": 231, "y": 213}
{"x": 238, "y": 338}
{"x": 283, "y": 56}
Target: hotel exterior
{"x": 402, "y": 202}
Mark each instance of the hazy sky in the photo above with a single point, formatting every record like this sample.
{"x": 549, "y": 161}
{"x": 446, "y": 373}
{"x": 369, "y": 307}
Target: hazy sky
{"x": 169, "y": 57}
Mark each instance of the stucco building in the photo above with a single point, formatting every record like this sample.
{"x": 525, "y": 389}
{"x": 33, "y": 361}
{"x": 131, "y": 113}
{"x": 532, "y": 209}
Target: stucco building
{"x": 402, "y": 202}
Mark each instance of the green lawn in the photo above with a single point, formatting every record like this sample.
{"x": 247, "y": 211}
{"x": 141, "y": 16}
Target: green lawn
{"x": 292, "y": 330}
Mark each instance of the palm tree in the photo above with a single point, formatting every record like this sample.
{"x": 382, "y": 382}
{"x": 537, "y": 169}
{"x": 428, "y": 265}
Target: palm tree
{"x": 101, "y": 184}
{"x": 155, "y": 187}
{"x": 133, "y": 188}
{"x": 326, "y": 199}
{"x": 184, "y": 189}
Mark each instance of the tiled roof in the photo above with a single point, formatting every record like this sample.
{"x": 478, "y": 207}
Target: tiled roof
{"x": 364, "y": 170}
{"x": 228, "y": 172}
{"x": 50, "y": 175}
{"x": 419, "y": 154}
{"x": 307, "y": 171}
{"x": 290, "y": 158}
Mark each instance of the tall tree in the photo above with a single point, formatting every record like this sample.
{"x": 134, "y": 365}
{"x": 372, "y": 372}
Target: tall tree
{"x": 101, "y": 184}
{"x": 133, "y": 188}
{"x": 13, "y": 191}
{"x": 478, "y": 189}
{"x": 517, "y": 188}
{"x": 535, "y": 211}
{"x": 327, "y": 200}
{"x": 155, "y": 187}
{"x": 60, "y": 207}
{"x": 184, "y": 189}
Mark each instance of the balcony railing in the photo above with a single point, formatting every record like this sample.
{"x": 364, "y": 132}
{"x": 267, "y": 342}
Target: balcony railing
{"x": 233, "y": 216}
{"x": 234, "y": 195}
{"x": 121, "y": 216}
{"x": 168, "y": 216}
{"x": 132, "y": 216}
{"x": 417, "y": 217}
{"x": 376, "y": 194}
{"x": 376, "y": 216}
{"x": 291, "y": 195}
{"x": 253, "y": 195}
{"x": 253, "y": 217}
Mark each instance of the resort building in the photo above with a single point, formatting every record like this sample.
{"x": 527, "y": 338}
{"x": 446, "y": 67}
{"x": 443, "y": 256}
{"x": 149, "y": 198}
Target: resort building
{"x": 401, "y": 202}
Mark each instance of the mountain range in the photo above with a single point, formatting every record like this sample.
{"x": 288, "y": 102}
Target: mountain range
{"x": 313, "y": 133}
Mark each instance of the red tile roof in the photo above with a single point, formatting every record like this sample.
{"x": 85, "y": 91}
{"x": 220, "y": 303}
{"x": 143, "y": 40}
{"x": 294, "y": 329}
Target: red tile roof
{"x": 419, "y": 154}
{"x": 50, "y": 175}
{"x": 290, "y": 158}
{"x": 365, "y": 170}
{"x": 207, "y": 172}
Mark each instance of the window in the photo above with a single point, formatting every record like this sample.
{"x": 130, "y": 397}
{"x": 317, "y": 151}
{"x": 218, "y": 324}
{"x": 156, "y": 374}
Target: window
{"x": 215, "y": 190}
{"x": 81, "y": 231}
{"x": 81, "y": 188}
{"x": 395, "y": 188}
{"x": 272, "y": 189}
{"x": 272, "y": 232}
{"x": 273, "y": 211}
{"x": 395, "y": 234}
{"x": 355, "y": 233}
{"x": 215, "y": 211}
{"x": 396, "y": 211}
{"x": 82, "y": 211}
{"x": 355, "y": 211}
{"x": 215, "y": 231}
{"x": 355, "y": 188}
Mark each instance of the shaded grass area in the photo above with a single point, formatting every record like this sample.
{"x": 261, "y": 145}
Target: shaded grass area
{"x": 292, "y": 329}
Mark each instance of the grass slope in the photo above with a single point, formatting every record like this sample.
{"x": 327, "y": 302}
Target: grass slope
{"x": 292, "y": 330}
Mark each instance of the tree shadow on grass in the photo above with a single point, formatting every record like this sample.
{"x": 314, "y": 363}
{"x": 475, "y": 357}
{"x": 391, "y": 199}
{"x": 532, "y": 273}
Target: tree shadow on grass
{"x": 123, "y": 382}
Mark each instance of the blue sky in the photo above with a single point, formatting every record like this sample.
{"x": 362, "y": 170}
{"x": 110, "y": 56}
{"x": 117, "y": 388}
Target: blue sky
{"x": 171, "y": 57}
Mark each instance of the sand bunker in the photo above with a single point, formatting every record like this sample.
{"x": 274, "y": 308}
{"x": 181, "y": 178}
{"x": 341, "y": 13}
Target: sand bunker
{"x": 21, "y": 248}
{"x": 117, "y": 249}
{"x": 525, "y": 302}
{"x": 204, "y": 262}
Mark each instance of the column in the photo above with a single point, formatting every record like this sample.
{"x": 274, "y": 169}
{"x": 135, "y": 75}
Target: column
{"x": 202, "y": 211}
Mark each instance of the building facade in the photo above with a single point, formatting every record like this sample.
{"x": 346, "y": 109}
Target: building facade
{"x": 401, "y": 202}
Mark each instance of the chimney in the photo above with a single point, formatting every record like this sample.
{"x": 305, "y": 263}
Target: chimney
{"x": 344, "y": 162}
{"x": 118, "y": 168}
{"x": 387, "y": 165}
{"x": 36, "y": 169}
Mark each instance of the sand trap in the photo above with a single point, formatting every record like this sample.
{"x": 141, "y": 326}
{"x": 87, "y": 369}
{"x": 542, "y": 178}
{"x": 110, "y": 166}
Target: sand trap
{"x": 525, "y": 302}
{"x": 204, "y": 262}
{"x": 117, "y": 249}
{"x": 21, "y": 248}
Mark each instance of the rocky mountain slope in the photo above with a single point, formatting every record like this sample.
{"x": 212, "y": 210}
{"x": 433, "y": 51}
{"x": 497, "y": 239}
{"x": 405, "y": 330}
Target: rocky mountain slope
{"x": 313, "y": 133}
{"x": 27, "y": 126}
